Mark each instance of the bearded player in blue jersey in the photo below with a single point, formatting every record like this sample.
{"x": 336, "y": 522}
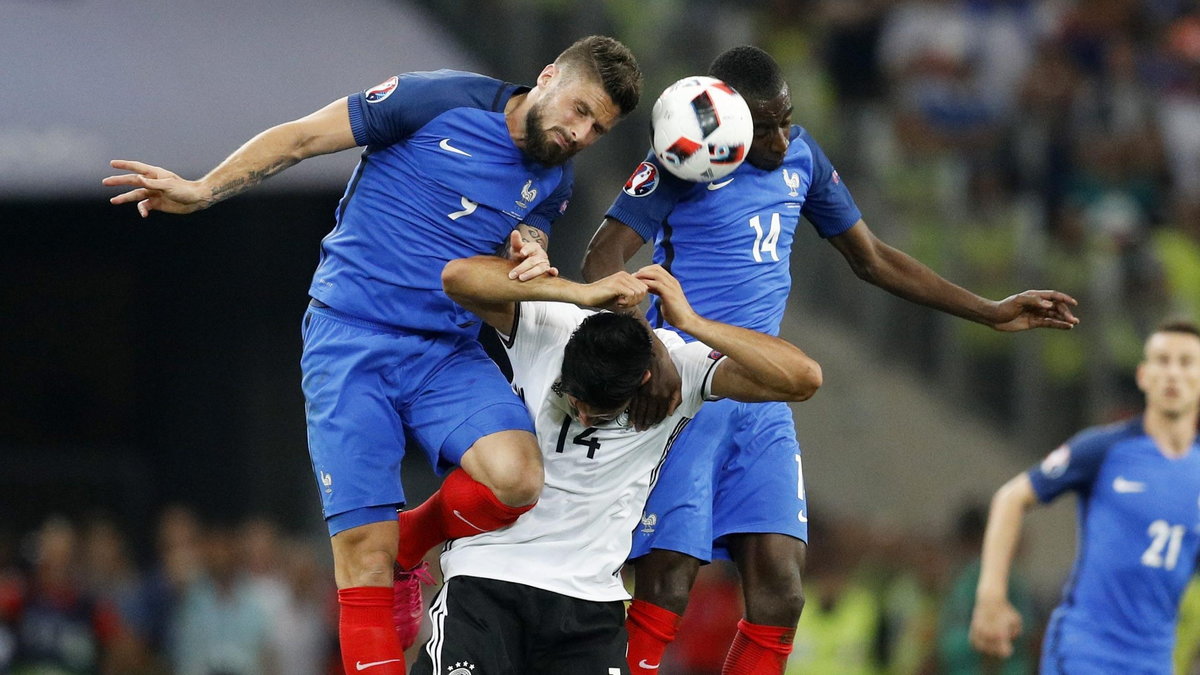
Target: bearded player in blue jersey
{"x": 454, "y": 162}
{"x": 1138, "y": 484}
{"x": 734, "y": 487}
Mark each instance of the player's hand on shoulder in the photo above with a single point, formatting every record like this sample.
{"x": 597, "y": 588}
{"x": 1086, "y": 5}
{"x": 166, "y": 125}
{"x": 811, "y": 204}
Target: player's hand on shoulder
{"x": 1035, "y": 309}
{"x": 155, "y": 189}
{"x": 994, "y": 626}
{"x": 531, "y": 258}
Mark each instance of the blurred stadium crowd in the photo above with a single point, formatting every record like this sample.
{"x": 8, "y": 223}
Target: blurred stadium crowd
{"x": 1007, "y": 143}
{"x": 248, "y": 598}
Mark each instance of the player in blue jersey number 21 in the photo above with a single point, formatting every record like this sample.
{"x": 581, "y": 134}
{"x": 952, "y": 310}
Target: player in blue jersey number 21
{"x": 733, "y": 486}
{"x": 454, "y": 163}
{"x": 1138, "y": 484}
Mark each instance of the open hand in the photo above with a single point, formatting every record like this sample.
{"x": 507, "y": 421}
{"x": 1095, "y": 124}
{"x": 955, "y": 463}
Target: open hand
{"x": 1035, "y": 309}
{"x": 156, "y": 189}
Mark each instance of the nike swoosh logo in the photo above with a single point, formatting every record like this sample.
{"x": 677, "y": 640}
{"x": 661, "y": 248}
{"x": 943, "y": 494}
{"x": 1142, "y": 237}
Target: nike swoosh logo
{"x": 718, "y": 186}
{"x": 445, "y": 145}
{"x": 1127, "y": 486}
{"x": 363, "y": 666}
{"x": 648, "y": 666}
{"x": 460, "y": 517}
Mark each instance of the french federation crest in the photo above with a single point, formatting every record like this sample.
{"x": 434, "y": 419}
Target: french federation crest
{"x": 643, "y": 181}
{"x": 528, "y": 194}
{"x": 382, "y": 90}
{"x": 648, "y": 522}
{"x": 793, "y": 182}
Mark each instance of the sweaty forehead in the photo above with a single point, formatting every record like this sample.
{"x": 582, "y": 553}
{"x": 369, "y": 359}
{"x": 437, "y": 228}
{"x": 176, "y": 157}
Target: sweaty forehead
{"x": 771, "y": 110}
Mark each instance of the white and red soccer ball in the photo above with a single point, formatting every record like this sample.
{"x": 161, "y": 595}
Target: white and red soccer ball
{"x": 701, "y": 129}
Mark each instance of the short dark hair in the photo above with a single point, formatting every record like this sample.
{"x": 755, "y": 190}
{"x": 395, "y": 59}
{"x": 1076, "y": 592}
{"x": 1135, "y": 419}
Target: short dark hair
{"x": 1178, "y": 326}
{"x": 612, "y": 64}
{"x": 605, "y": 359}
{"x": 751, "y": 71}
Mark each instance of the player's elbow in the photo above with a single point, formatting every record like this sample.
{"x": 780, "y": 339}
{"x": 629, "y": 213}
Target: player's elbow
{"x": 455, "y": 276}
{"x": 805, "y": 382}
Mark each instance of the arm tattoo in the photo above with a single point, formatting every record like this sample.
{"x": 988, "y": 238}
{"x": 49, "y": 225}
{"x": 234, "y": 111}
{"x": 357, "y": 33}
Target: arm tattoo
{"x": 252, "y": 178}
{"x": 533, "y": 234}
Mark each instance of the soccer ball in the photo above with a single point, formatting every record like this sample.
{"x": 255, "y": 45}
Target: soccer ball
{"x": 701, "y": 129}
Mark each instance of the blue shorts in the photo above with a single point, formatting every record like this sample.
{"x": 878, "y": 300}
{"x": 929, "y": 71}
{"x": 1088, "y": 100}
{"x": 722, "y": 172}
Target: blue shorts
{"x": 735, "y": 469}
{"x": 371, "y": 389}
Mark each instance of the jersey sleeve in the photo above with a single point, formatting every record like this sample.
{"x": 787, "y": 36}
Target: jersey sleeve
{"x": 648, "y": 198}
{"x": 540, "y": 328}
{"x": 394, "y": 109}
{"x": 1070, "y": 467}
{"x": 544, "y": 214}
{"x": 696, "y": 363}
{"x": 828, "y": 204}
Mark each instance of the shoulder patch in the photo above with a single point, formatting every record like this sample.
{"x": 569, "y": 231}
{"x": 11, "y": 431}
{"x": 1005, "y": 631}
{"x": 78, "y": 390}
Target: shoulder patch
{"x": 715, "y": 355}
{"x": 1055, "y": 464}
{"x": 382, "y": 90}
{"x": 643, "y": 181}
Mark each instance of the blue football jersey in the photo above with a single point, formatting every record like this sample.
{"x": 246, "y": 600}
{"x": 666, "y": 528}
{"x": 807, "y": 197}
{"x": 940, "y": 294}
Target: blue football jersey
{"x": 440, "y": 179}
{"x": 729, "y": 241}
{"x": 1139, "y": 533}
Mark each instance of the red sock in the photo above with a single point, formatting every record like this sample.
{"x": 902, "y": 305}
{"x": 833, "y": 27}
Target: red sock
{"x": 460, "y": 508}
{"x": 366, "y": 632}
{"x": 651, "y": 628}
{"x": 759, "y": 650}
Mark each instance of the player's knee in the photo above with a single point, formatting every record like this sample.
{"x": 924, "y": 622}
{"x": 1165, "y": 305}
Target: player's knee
{"x": 665, "y": 578}
{"x": 519, "y": 484}
{"x": 775, "y": 606}
{"x": 362, "y": 557}
{"x": 508, "y": 464}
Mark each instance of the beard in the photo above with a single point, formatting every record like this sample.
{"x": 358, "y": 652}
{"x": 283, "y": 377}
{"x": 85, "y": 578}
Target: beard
{"x": 540, "y": 143}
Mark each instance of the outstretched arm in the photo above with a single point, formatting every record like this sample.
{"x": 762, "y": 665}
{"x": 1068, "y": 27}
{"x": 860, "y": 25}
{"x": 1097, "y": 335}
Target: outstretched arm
{"x": 759, "y": 367}
{"x": 995, "y": 622}
{"x": 157, "y": 189}
{"x": 610, "y": 249}
{"x": 900, "y": 274}
{"x": 483, "y": 285}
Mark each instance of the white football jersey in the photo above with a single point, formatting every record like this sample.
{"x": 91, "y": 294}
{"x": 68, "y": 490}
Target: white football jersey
{"x": 575, "y": 540}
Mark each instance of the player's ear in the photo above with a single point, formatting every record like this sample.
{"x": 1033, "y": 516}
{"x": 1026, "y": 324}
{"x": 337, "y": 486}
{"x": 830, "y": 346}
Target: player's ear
{"x": 547, "y": 74}
{"x": 645, "y": 377}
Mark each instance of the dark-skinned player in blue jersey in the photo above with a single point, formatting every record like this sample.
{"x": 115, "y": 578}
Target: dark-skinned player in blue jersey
{"x": 1138, "y": 484}
{"x": 734, "y": 488}
{"x": 454, "y": 162}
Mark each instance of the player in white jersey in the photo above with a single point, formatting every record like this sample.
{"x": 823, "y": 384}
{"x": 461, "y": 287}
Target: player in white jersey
{"x": 544, "y": 595}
